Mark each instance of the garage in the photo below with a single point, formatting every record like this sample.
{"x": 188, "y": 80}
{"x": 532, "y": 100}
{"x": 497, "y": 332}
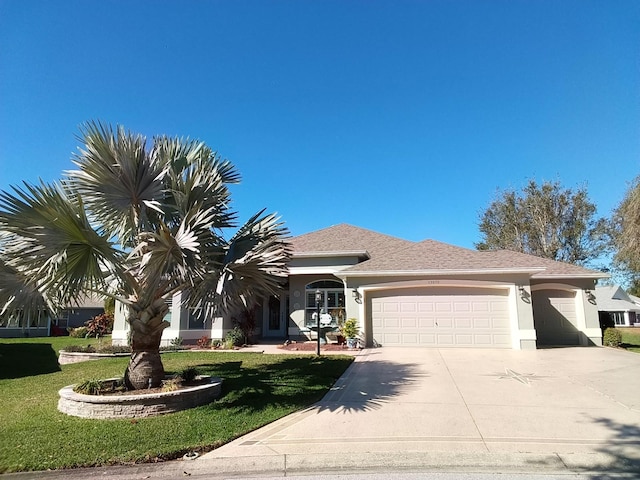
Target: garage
{"x": 441, "y": 317}
{"x": 555, "y": 318}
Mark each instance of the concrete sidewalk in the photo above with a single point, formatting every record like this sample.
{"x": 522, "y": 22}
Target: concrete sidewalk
{"x": 565, "y": 409}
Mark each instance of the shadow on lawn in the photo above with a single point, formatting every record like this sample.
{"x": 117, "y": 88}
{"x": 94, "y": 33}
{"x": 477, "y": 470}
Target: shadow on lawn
{"x": 288, "y": 383}
{"x": 300, "y": 381}
{"x": 27, "y": 359}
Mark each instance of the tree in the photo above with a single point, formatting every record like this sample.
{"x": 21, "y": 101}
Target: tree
{"x": 137, "y": 224}
{"x": 625, "y": 234}
{"x": 544, "y": 220}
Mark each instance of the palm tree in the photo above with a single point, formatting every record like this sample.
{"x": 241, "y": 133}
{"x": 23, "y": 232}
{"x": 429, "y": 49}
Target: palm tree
{"x": 137, "y": 224}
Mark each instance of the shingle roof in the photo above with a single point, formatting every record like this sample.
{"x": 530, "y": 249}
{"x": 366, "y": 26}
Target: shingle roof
{"x": 612, "y": 298}
{"x": 346, "y": 238}
{"x": 391, "y": 254}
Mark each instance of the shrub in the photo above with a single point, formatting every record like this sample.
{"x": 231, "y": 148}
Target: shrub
{"x": 246, "y": 322}
{"x": 189, "y": 374}
{"x": 612, "y": 338}
{"x": 172, "y": 384}
{"x": 100, "y": 387}
{"x": 98, "y": 349}
{"x": 350, "y": 328}
{"x": 204, "y": 342}
{"x": 176, "y": 342}
{"x": 100, "y": 325}
{"x": 234, "y": 338}
{"x": 80, "y": 332}
{"x": 89, "y": 387}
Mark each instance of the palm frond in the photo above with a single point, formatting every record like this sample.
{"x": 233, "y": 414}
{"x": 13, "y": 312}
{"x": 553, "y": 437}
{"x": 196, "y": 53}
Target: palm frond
{"x": 49, "y": 240}
{"x": 118, "y": 180}
{"x": 254, "y": 266}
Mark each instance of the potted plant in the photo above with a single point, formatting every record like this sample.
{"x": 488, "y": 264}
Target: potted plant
{"x": 350, "y": 331}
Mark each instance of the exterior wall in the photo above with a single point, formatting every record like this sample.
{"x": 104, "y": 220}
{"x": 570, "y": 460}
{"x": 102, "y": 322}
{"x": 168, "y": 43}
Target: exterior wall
{"x": 20, "y": 332}
{"x": 79, "y": 316}
{"x": 179, "y": 326}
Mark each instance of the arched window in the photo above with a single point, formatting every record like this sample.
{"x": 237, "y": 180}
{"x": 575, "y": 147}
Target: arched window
{"x": 332, "y": 302}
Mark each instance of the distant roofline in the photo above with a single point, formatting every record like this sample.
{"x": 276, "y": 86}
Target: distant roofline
{"x": 398, "y": 273}
{"x": 339, "y": 253}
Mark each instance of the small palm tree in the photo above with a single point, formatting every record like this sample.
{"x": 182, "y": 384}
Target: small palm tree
{"x": 137, "y": 224}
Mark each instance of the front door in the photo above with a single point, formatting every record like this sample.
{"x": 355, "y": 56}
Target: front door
{"x": 275, "y": 321}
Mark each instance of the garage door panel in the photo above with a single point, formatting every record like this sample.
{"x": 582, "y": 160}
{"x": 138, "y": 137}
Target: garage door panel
{"x": 555, "y": 317}
{"x": 464, "y": 323}
{"x": 409, "y": 322}
{"x": 426, "y": 322}
{"x": 465, "y": 319}
{"x": 425, "y": 307}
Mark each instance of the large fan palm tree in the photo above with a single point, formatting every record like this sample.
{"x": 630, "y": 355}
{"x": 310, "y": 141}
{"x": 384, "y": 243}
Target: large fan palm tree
{"x": 137, "y": 223}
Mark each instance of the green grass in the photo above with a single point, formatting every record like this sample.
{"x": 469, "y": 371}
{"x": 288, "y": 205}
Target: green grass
{"x": 257, "y": 390}
{"x": 630, "y": 338}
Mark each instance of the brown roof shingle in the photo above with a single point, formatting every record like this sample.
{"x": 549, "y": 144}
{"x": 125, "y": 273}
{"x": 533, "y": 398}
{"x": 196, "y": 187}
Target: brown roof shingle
{"x": 392, "y": 254}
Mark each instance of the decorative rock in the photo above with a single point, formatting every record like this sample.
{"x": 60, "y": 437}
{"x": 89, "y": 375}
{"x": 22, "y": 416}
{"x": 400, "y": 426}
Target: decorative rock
{"x": 137, "y": 405}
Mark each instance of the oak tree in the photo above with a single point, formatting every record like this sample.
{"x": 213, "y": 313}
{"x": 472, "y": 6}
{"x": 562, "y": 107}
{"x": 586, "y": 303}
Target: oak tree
{"x": 546, "y": 220}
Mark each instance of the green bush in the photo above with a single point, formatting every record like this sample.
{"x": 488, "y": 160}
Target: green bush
{"x": 350, "y": 328}
{"x": 189, "y": 374}
{"x": 80, "y": 332}
{"x": 234, "y": 338}
{"x": 99, "y": 387}
{"x": 612, "y": 338}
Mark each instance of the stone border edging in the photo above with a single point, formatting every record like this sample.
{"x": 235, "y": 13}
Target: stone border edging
{"x": 65, "y": 358}
{"x": 137, "y": 406}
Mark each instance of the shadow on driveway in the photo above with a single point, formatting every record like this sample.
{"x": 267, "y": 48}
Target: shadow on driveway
{"x": 356, "y": 392}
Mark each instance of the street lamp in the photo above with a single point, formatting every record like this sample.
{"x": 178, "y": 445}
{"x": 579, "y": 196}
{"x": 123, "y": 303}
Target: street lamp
{"x": 318, "y": 302}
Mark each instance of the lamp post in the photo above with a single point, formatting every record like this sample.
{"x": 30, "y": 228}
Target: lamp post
{"x": 318, "y": 301}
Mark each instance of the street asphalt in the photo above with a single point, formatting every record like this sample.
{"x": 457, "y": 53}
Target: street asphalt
{"x": 553, "y": 411}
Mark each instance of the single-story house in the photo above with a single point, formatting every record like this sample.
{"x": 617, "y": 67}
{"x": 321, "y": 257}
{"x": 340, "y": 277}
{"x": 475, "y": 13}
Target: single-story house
{"x": 617, "y": 307}
{"x": 405, "y": 293}
{"x": 40, "y": 325}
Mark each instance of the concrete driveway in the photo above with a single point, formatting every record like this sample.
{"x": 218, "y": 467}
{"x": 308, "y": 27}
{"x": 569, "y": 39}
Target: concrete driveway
{"x": 563, "y": 409}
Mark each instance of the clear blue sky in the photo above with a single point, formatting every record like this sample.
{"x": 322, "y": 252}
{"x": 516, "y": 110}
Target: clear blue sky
{"x": 403, "y": 117}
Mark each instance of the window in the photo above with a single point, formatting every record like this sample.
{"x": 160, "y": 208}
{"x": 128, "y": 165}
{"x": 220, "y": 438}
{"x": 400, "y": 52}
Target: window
{"x": 618, "y": 318}
{"x": 332, "y": 310}
{"x": 197, "y": 321}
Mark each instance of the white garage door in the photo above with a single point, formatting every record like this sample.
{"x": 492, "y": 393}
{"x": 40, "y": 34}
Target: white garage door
{"x": 555, "y": 318}
{"x": 442, "y": 318}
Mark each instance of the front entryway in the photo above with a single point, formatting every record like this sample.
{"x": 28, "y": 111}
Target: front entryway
{"x": 275, "y": 317}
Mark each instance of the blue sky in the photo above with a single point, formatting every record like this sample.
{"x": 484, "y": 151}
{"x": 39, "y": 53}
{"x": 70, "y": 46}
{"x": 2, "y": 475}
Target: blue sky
{"x": 403, "y": 117}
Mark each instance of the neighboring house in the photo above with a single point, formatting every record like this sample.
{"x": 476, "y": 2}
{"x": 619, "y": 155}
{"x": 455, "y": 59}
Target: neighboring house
{"x": 16, "y": 325}
{"x": 617, "y": 307}
{"x": 427, "y": 293}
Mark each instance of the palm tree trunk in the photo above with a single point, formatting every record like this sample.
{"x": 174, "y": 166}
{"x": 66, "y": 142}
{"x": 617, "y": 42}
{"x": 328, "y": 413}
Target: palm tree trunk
{"x": 145, "y": 369}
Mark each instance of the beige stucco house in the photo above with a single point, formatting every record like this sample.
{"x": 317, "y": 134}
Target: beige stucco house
{"x": 427, "y": 293}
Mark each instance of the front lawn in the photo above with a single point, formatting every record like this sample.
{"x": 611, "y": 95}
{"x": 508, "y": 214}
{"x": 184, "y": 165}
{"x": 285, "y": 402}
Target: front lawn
{"x": 257, "y": 389}
{"x": 630, "y": 338}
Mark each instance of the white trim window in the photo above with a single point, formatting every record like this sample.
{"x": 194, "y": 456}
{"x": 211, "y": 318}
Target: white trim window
{"x": 618, "y": 318}
{"x": 332, "y": 307}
